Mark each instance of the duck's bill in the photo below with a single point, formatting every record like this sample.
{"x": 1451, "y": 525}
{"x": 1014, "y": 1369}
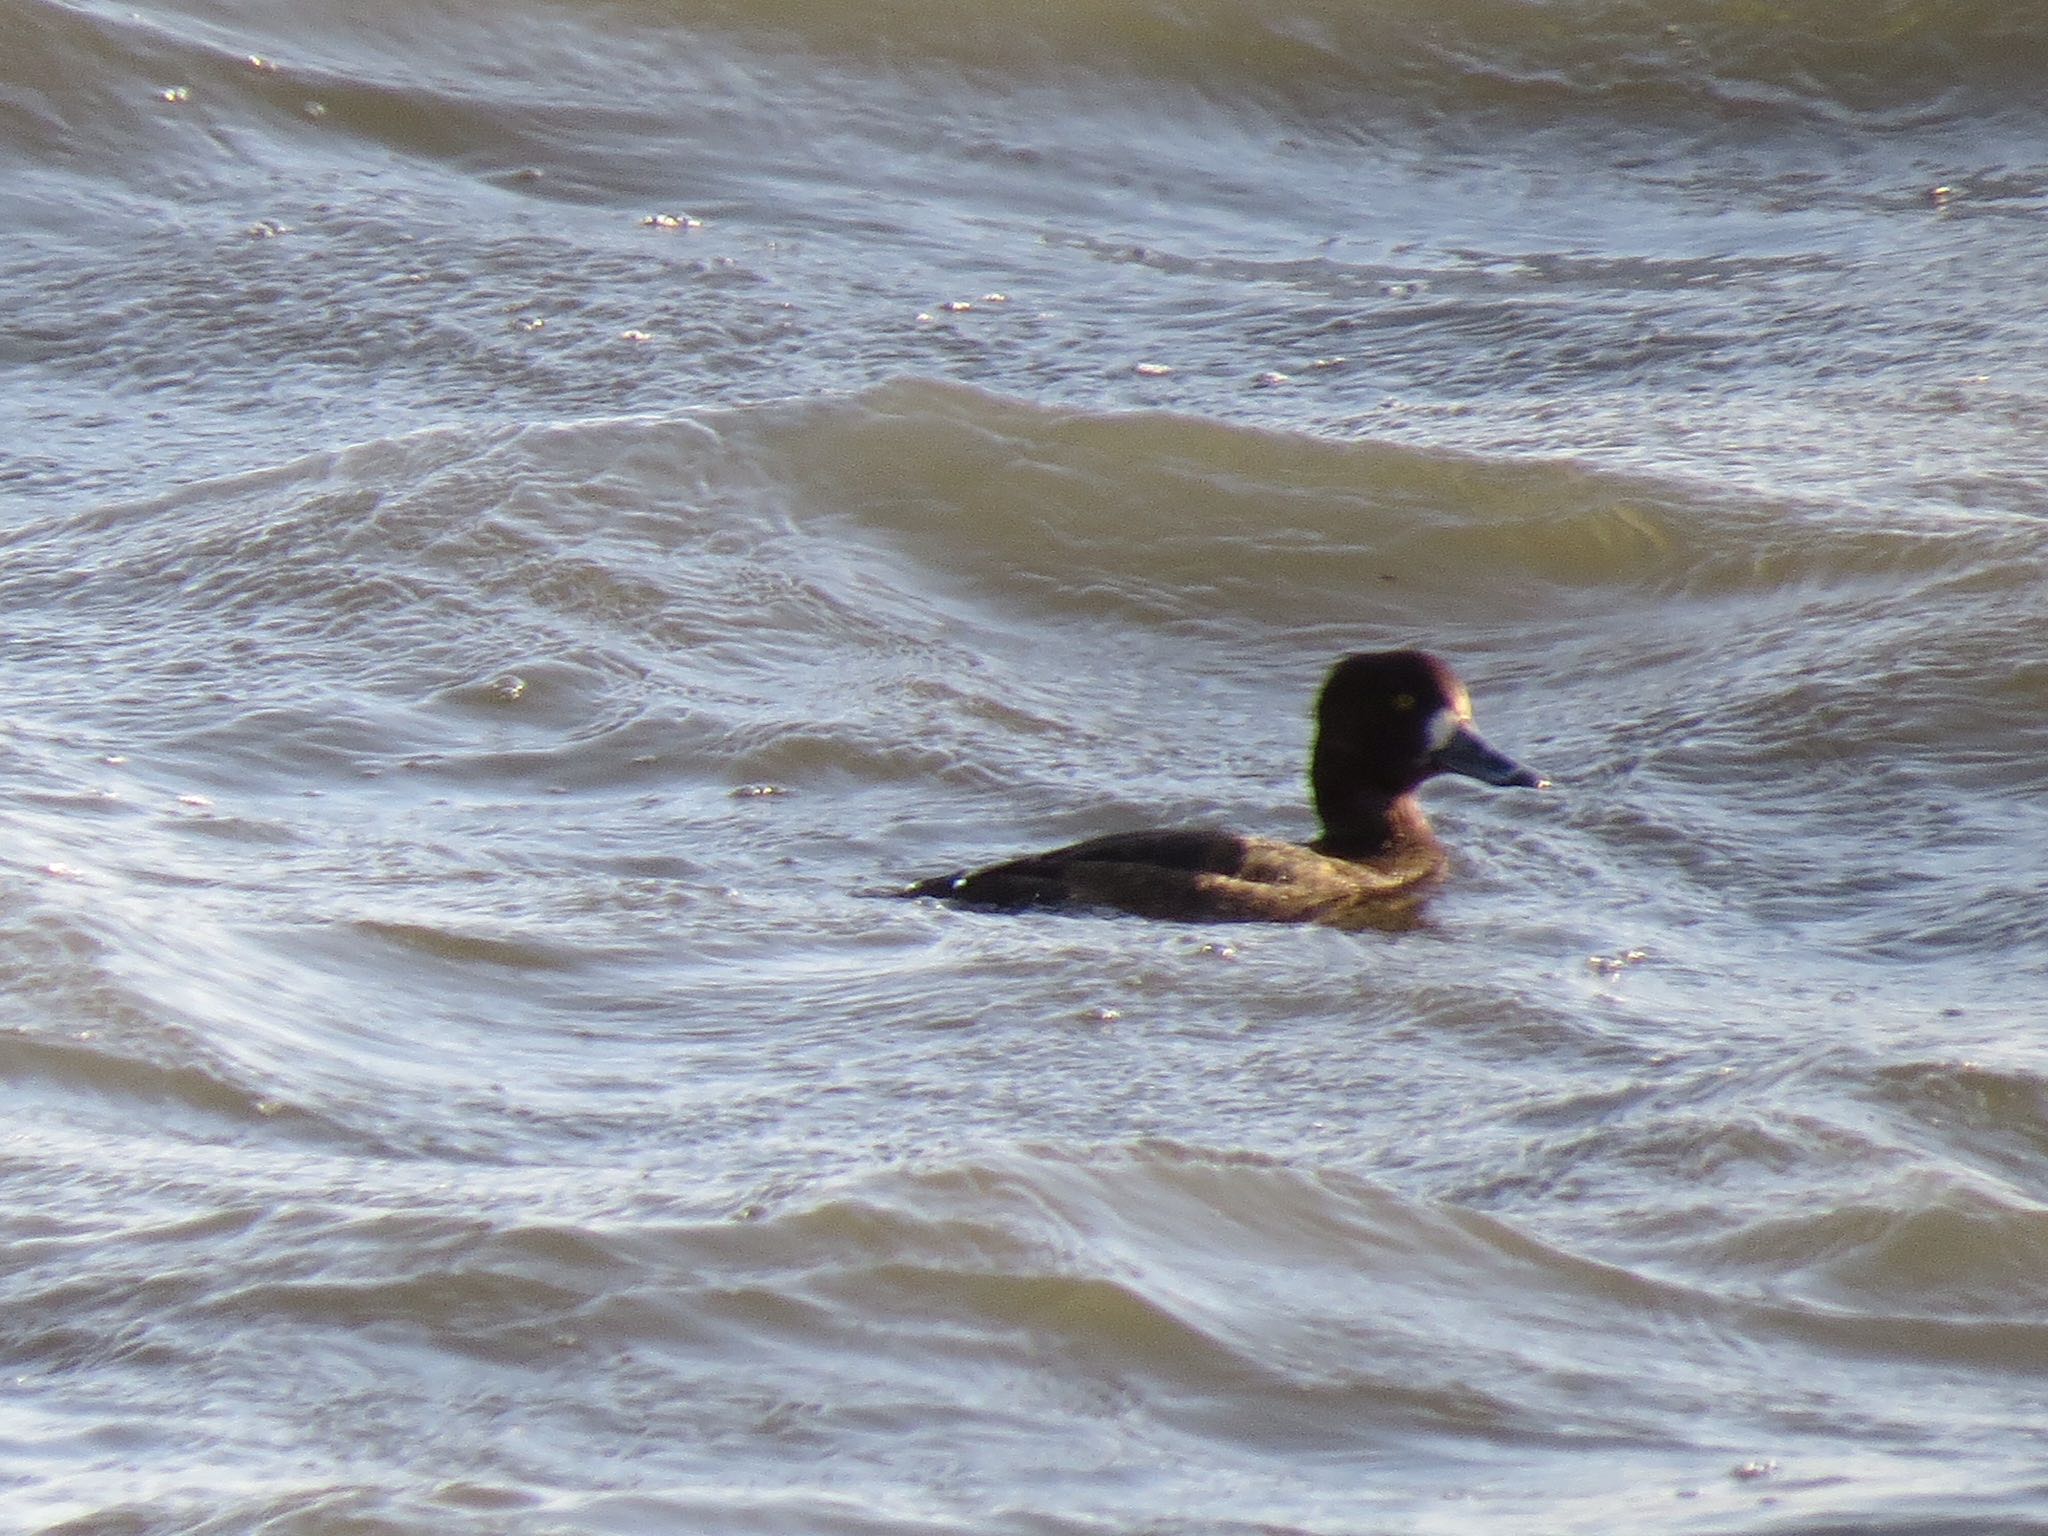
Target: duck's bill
{"x": 1467, "y": 753}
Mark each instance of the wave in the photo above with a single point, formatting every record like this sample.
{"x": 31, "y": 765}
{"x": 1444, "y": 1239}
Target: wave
{"x": 489, "y": 86}
{"x": 534, "y": 572}
{"x": 1165, "y": 1325}
{"x": 1068, "y": 1273}
{"x": 1788, "y": 59}
{"x": 1121, "y": 1282}
{"x": 1946, "y": 1253}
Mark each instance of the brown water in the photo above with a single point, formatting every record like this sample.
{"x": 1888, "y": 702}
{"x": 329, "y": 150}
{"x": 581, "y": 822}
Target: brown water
{"x": 519, "y": 519}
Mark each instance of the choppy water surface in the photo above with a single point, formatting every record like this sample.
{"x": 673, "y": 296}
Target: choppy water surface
{"x": 519, "y": 520}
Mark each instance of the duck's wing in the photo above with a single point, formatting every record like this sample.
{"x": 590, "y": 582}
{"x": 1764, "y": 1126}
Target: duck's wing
{"x": 1077, "y": 873}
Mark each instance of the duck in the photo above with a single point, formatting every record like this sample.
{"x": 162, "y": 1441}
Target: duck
{"x": 1386, "y": 722}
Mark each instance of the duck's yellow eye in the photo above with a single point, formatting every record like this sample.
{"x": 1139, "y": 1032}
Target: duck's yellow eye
{"x": 1404, "y": 702}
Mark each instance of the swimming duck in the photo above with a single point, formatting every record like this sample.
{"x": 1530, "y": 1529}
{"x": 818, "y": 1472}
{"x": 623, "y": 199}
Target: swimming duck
{"x": 1385, "y": 722}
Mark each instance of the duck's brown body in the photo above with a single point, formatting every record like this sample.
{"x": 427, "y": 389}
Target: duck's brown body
{"x": 1218, "y": 876}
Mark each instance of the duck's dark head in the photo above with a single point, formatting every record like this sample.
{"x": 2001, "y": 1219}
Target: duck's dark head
{"x": 1386, "y": 721}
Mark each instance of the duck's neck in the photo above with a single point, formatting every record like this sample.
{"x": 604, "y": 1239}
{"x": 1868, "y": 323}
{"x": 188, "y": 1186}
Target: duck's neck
{"x": 1367, "y": 826}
